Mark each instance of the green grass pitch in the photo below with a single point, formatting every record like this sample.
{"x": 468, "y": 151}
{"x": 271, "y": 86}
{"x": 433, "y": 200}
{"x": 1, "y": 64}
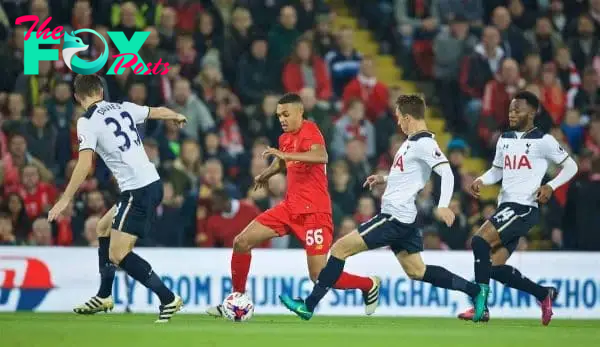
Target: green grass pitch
{"x": 133, "y": 330}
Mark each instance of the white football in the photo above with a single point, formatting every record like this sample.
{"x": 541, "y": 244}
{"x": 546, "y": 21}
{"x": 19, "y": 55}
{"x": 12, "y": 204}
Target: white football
{"x": 238, "y": 307}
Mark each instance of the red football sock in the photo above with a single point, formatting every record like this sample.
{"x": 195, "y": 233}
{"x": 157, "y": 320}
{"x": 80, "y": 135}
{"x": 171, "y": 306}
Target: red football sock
{"x": 240, "y": 266}
{"x": 348, "y": 281}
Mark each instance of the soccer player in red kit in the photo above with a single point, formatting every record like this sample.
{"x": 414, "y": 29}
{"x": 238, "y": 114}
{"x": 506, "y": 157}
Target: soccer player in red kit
{"x": 306, "y": 209}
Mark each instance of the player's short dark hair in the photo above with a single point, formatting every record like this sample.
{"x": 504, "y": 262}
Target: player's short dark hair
{"x": 290, "y": 98}
{"x": 221, "y": 194}
{"x": 87, "y": 85}
{"x": 411, "y": 104}
{"x": 529, "y": 98}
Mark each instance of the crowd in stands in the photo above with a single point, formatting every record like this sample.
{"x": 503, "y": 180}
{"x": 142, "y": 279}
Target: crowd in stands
{"x": 230, "y": 61}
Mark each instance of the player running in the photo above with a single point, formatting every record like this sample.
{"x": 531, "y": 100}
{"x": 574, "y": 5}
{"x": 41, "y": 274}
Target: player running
{"x": 521, "y": 161}
{"x": 394, "y": 226}
{"x": 306, "y": 209}
{"x": 109, "y": 129}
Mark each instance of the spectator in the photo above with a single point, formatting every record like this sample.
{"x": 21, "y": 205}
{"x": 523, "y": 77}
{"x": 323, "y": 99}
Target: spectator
{"x": 457, "y": 151}
{"x": 366, "y": 87}
{"x": 229, "y": 218}
{"x": 169, "y": 142}
{"x": 308, "y": 10}
{"x": 206, "y": 37}
{"x": 212, "y": 178}
{"x": 471, "y": 10}
{"x": 342, "y": 193}
{"x": 188, "y": 57}
{"x": 41, "y": 138}
{"x": 68, "y": 226}
{"x": 15, "y": 118}
{"x": 531, "y": 70}
{"x": 283, "y": 36}
{"x": 478, "y": 69}
{"x": 582, "y": 211}
{"x": 558, "y": 17}
{"x": 21, "y": 225}
{"x": 523, "y": 18}
{"x": 306, "y": 69}
{"x": 496, "y": 100}
{"x": 365, "y": 209}
{"x": 316, "y": 112}
{"x": 573, "y": 129}
{"x": 585, "y": 44}
{"x": 42, "y": 233}
{"x": 592, "y": 141}
{"x": 513, "y": 41}
{"x": 95, "y": 204}
{"x": 432, "y": 240}
{"x": 7, "y": 236}
{"x": 324, "y": 41}
{"x": 587, "y": 97}
{"x": 449, "y": 47}
{"x": 168, "y": 231}
{"x": 188, "y": 168}
{"x": 553, "y": 97}
{"x": 264, "y": 121}
{"x": 20, "y": 158}
{"x": 199, "y": 119}
{"x": 230, "y": 133}
{"x": 567, "y": 71}
{"x": 187, "y": 12}
{"x": 344, "y": 61}
{"x": 386, "y": 126}
{"x": 456, "y": 235}
{"x": 238, "y": 39}
{"x": 246, "y": 181}
{"x": 60, "y": 106}
{"x": 90, "y": 236}
{"x": 214, "y": 150}
{"x": 417, "y": 19}
{"x": 127, "y": 23}
{"x": 356, "y": 158}
{"x": 353, "y": 125}
{"x": 595, "y": 13}
{"x": 36, "y": 89}
{"x": 544, "y": 40}
{"x": 166, "y": 29}
{"x": 255, "y": 75}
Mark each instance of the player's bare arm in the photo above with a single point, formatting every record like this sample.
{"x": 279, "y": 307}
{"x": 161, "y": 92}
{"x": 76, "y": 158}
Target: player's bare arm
{"x": 82, "y": 169}
{"x": 316, "y": 155}
{"x": 276, "y": 167}
{"x": 491, "y": 176}
{"x": 163, "y": 113}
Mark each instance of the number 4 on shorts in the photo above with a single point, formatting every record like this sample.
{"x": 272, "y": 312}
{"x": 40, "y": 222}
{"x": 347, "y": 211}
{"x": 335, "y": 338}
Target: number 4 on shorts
{"x": 314, "y": 236}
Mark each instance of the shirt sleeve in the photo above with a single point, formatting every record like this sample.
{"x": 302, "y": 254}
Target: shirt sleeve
{"x": 85, "y": 135}
{"x": 137, "y": 112}
{"x": 498, "y": 157}
{"x": 312, "y": 137}
{"x": 431, "y": 153}
{"x": 553, "y": 151}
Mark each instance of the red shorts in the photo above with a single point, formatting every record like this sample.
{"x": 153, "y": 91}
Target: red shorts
{"x": 315, "y": 230}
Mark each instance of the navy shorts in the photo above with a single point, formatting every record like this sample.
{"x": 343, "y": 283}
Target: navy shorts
{"x": 384, "y": 230}
{"x": 136, "y": 209}
{"x": 512, "y": 221}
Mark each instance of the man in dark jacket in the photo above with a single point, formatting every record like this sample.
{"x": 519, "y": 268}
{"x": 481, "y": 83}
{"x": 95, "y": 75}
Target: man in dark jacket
{"x": 582, "y": 212}
{"x": 255, "y": 76}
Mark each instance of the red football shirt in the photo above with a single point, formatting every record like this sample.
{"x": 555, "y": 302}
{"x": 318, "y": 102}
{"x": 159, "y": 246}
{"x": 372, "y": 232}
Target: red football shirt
{"x": 306, "y": 183}
{"x": 40, "y": 200}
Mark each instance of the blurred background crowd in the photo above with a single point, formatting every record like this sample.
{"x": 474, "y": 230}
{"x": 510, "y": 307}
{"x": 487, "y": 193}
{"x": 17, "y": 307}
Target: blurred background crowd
{"x": 231, "y": 60}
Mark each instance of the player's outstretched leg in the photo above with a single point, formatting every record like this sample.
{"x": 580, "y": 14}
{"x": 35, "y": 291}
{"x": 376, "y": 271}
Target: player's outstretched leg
{"x": 511, "y": 277}
{"x": 120, "y": 252}
{"x": 369, "y": 286}
{"x": 413, "y": 265}
{"x": 102, "y": 301}
{"x": 241, "y": 257}
{"x": 345, "y": 247}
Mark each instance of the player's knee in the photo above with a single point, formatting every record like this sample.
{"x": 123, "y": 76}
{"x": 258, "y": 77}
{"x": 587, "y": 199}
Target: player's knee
{"x": 415, "y": 273}
{"x": 340, "y": 251}
{"x": 116, "y": 254}
{"x": 241, "y": 244}
{"x": 313, "y": 275}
